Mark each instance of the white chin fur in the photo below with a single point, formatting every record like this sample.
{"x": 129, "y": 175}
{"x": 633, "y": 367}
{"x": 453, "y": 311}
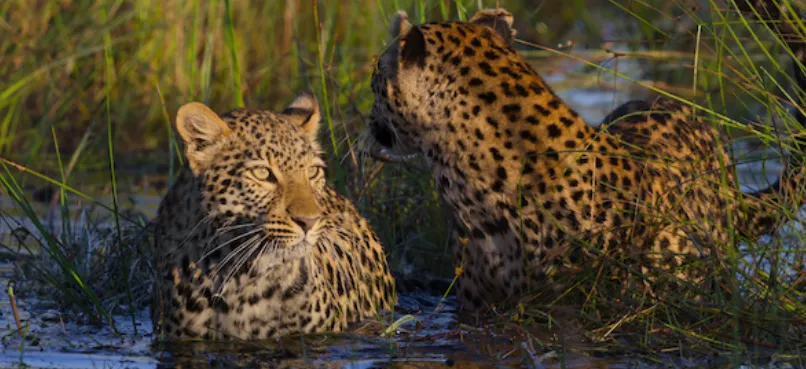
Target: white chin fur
{"x": 286, "y": 254}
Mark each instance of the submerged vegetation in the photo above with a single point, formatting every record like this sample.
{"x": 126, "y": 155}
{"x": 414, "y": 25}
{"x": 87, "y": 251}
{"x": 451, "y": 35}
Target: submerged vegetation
{"x": 88, "y": 91}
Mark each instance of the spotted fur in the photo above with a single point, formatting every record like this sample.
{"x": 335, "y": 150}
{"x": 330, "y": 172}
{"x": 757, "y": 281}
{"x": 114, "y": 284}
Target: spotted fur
{"x": 250, "y": 241}
{"x": 538, "y": 192}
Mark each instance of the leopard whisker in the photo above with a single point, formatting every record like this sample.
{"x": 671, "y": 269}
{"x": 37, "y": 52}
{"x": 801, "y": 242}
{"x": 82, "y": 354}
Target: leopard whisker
{"x": 189, "y": 234}
{"x": 239, "y": 255}
{"x": 218, "y": 247}
{"x": 234, "y": 253}
{"x": 262, "y": 246}
{"x": 232, "y": 227}
{"x": 246, "y": 254}
{"x": 224, "y": 229}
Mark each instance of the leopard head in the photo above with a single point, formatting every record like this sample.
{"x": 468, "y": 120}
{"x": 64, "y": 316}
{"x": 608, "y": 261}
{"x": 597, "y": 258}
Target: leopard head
{"x": 419, "y": 75}
{"x": 258, "y": 172}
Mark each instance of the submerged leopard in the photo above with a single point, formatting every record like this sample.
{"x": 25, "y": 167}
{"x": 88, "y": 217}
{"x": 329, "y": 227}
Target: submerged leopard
{"x": 537, "y": 192}
{"x": 250, "y": 241}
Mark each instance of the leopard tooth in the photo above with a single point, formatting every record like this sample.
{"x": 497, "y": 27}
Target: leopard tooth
{"x": 384, "y": 154}
{"x": 388, "y": 153}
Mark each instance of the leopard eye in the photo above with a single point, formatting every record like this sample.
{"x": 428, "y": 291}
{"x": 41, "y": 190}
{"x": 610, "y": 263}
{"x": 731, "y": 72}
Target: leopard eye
{"x": 315, "y": 171}
{"x": 263, "y": 174}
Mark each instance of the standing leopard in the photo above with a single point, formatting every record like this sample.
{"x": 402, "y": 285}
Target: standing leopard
{"x": 250, "y": 241}
{"x": 536, "y": 191}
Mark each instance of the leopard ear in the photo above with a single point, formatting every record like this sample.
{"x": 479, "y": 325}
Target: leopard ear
{"x": 407, "y": 46}
{"x": 400, "y": 25}
{"x": 499, "y": 20}
{"x": 201, "y": 130}
{"x": 413, "y": 52}
{"x": 304, "y": 112}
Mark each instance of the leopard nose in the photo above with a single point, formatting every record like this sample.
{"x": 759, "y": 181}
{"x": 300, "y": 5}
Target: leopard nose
{"x": 306, "y": 223}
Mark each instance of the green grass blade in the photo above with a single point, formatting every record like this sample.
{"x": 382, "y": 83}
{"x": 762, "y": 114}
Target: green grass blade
{"x": 230, "y": 40}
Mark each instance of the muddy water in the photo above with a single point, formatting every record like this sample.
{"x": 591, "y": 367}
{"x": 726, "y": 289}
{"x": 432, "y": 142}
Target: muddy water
{"x": 436, "y": 341}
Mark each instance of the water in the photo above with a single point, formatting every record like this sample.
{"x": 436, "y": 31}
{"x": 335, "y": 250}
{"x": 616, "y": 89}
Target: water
{"x": 436, "y": 341}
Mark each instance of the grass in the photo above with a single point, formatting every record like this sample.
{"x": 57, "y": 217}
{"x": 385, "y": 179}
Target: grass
{"x": 89, "y": 88}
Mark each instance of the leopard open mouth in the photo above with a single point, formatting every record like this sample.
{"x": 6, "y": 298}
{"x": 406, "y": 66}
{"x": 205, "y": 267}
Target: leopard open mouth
{"x": 389, "y": 145}
{"x": 383, "y": 135}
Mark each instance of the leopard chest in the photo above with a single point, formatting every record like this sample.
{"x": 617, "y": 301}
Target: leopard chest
{"x": 252, "y": 299}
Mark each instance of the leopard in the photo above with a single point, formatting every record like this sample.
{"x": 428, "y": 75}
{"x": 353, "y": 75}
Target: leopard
{"x": 537, "y": 193}
{"x": 250, "y": 241}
